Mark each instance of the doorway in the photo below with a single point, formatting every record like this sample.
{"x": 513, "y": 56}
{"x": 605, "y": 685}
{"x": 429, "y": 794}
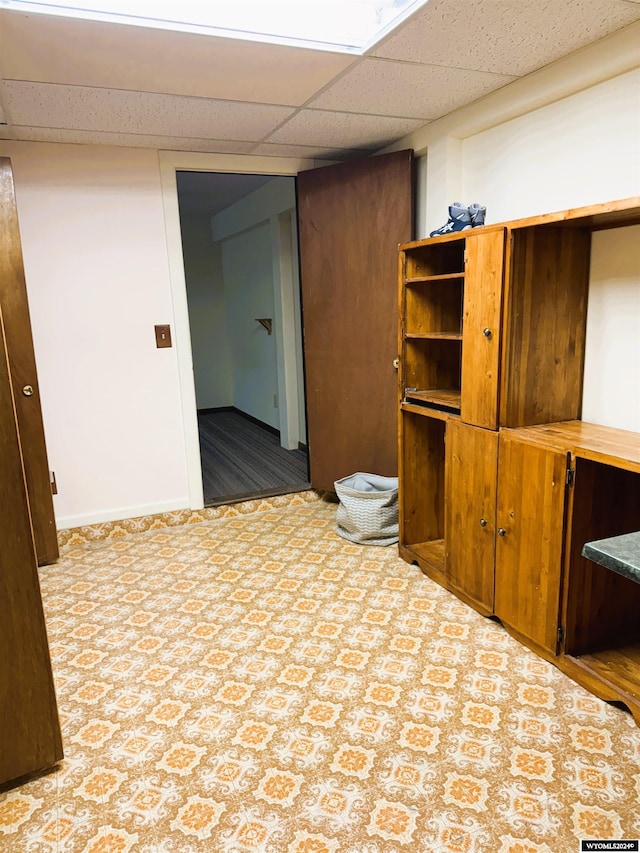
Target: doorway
{"x": 239, "y": 247}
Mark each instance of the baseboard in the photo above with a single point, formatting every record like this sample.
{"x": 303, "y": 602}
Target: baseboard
{"x": 256, "y": 421}
{"x": 123, "y": 526}
{"x": 242, "y": 414}
{"x": 66, "y": 522}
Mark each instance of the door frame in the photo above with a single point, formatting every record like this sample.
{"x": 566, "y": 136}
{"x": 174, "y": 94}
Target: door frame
{"x": 170, "y": 163}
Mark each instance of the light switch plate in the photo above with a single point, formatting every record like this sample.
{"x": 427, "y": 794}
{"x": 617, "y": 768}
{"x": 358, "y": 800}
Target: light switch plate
{"x": 163, "y": 336}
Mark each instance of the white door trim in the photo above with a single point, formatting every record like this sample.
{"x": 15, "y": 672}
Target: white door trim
{"x": 170, "y": 162}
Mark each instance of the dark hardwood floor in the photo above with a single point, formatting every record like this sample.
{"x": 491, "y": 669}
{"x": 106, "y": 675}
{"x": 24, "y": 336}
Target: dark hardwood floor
{"x": 242, "y": 459}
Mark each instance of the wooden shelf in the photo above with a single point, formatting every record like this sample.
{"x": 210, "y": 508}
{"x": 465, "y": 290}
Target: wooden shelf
{"x": 447, "y": 398}
{"x": 516, "y": 449}
{"x": 607, "y": 445}
{"x": 434, "y": 336}
{"x": 428, "y": 412}
{"x": 431, "y": 553}
{"x": 614, "y": 673}
{"x": 421, "y": 279}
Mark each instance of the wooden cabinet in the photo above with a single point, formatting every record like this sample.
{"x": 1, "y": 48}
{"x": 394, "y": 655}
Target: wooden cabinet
{"x": 452, "y": 287}
{"x": 470, "y": 513}
{"x": 529, "y": 526}
{"x": 482, "y": 328}
{"x": 501, "y": 484}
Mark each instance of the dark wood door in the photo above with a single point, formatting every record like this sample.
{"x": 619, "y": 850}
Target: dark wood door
{"x": 29, "y": 730}
{"x": 471, "y": 469}
{"x": 352, "y": 217}
{"x": 15, "y": 309}
{"x": 529, "y": 547}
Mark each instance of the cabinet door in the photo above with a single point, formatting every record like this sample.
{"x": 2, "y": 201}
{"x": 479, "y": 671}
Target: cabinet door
{"x": 29, "y": 729}
{"x": 470, "y": 471}
{"x": 530, "y": 527}
{"x": 484, "y": 260}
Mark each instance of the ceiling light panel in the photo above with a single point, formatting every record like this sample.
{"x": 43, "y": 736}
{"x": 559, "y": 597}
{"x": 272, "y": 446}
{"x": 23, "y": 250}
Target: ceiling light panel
{"x": 344, "y": 25}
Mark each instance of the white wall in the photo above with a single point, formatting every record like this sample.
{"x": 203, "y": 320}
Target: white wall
{"x": 248, "y": 277}
{"x": 212, "y": 370}
{"x": 581, "y": 150}
{"x": 275, "y": 204}
{"x": 612, "y": 365}
{"x": 92, "y": 229}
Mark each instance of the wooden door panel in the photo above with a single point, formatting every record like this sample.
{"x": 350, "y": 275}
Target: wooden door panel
{"x": 530, "y": 511}
{"x": 352, "y": 217}
{"x": 481, "y": 328}
{"x": 15, "y": 309}
{"x": 29, "y": 730}
{"x": 471, "y": 470}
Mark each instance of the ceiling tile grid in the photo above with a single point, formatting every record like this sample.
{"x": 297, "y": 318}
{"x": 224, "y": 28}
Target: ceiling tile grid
{"x": 130, "y": 140}
{"x": 339, "y": 130}
{"x": 68, "y": 80}
{"x": 504, "y": 36}
{"x": 410, "y": 90}
{"x": 86, "y": 108}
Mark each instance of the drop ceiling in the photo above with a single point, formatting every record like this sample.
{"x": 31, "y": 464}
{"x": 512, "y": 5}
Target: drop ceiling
{"x": 66, "y": 80}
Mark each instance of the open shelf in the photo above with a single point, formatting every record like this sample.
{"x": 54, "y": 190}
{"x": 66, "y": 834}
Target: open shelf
{"x": 431, "y": 553}
{"x": 421, "y": 279}
{"x": 614, "y": 673}
{"x": 439, "y": 260}
{"x": 445, "y": 398}
{"x": 435, "y": 336}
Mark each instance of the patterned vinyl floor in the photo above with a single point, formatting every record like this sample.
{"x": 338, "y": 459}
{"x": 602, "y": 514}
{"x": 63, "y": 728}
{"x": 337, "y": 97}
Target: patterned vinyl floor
{"x": 256, "y": 683}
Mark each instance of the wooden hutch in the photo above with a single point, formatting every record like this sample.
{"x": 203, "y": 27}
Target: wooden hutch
{"x": 501, "y": 483}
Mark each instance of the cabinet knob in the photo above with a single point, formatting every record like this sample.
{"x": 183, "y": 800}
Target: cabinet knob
{"x": 501, "y": 531}
{"x": 396, "y": 363}
{"x": 487, "y": 333}
{"x": 27, "y": 391}
{"x": 483, "y": 522}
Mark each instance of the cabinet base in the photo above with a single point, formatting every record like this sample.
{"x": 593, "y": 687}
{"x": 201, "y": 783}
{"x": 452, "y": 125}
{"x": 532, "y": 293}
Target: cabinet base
{"x": 612, "y": 675}
{"x": 429, "y": 557}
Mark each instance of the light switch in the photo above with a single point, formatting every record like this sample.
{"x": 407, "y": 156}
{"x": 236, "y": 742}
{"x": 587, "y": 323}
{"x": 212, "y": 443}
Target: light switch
{"x": 163, "y": 336}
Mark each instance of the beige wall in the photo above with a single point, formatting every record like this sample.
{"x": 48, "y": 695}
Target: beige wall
{"x": 92, "y": 229}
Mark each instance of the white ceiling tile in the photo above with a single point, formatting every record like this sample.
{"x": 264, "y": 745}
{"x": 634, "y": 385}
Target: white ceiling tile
{"x": 82, "y": 108}
{"x": 42, "y": 48}
{"x": 342, "y": 130}
{"x": 312, "y": 152}
{"x": 505, "y": 36}
{"x": 383, "y": 87}
{"x": 130, "y": 140}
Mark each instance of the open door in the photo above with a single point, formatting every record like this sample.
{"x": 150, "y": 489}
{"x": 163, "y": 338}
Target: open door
{"x": 30, "y": 738}
{"x": 22, "y": 363}
{"x": 352, "y": 217}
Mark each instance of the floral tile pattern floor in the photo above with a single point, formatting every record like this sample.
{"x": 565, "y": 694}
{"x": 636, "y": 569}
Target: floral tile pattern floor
{"x": 257, "y": 683}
